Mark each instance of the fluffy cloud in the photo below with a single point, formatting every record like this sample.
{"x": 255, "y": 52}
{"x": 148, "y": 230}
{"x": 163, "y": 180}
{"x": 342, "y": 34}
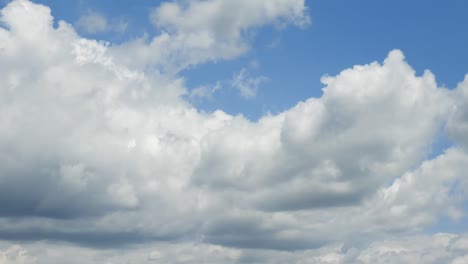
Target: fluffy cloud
{"x": 227, "y": 20}
{"x": 98, "y": 152}
{"x": 199, "y": 31}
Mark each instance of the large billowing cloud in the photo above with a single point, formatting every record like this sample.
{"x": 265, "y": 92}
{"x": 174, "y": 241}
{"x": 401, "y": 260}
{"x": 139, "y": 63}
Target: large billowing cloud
{"x": 103, "y": 152}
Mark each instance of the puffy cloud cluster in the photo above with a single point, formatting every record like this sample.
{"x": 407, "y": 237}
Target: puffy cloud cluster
{"x": 197, "y": 31}
{"x": 98, "y": 152}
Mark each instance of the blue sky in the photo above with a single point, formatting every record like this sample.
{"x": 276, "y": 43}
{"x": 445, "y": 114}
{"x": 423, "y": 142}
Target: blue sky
{"x": 243, "y": 131}
{"x": 343, "y": 34}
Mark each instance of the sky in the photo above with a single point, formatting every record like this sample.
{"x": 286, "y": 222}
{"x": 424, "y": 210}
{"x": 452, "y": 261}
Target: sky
{"x": 248, "y": 131}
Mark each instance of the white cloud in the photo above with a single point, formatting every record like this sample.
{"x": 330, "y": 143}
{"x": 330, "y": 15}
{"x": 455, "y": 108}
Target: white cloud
{"x": 198, "y": 31}
{"x": 96, "y": 151}
{"x": 225, "y": 20}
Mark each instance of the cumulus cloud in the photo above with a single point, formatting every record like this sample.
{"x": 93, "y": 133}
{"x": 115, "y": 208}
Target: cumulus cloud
{"x": 226, "y": 20}
{"x": 197, "y": 31}
{"x": 98, "y": 151}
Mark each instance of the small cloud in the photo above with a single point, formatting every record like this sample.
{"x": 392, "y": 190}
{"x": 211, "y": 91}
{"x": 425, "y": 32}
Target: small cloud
{"x": 205, "y": 91}
{"x": 120, "y": 26}
{"x": 254, "y": 64}
{"x": 93, "y": 23}
{"x": 247, "y": 86}
{"x": 274, "y": 44}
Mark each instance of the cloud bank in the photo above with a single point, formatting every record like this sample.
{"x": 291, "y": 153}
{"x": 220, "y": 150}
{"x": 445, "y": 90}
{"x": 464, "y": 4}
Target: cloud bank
{"x": 99, "y": 151}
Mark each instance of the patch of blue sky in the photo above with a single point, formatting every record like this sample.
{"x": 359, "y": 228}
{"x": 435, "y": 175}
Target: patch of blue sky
{"x": 343, "y": 34}
{"x": 135, "y": 15}
{"x": 445, "y": 224}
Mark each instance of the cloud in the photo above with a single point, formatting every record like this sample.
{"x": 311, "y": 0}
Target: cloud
{"x": 242, "y": 81}
{"x": 194, "y": 32}
{"x": 96, "y": 151}
{"x": 205, "y": 91}
{"x": 431, "y": 249}
{"x": 458, "y": 123}
{"x": 15, "y": 254}
{"x": 226, "y": 20}
{"x": 247, "y": 86}
{"x": 93, "y": 23}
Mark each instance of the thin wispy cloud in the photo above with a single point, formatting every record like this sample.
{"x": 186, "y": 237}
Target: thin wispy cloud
{"x": 248, "y": 86}
{"x": 95, "y": 23}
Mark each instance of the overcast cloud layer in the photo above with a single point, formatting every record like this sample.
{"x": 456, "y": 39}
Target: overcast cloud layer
{"x": 103, "y": 161}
